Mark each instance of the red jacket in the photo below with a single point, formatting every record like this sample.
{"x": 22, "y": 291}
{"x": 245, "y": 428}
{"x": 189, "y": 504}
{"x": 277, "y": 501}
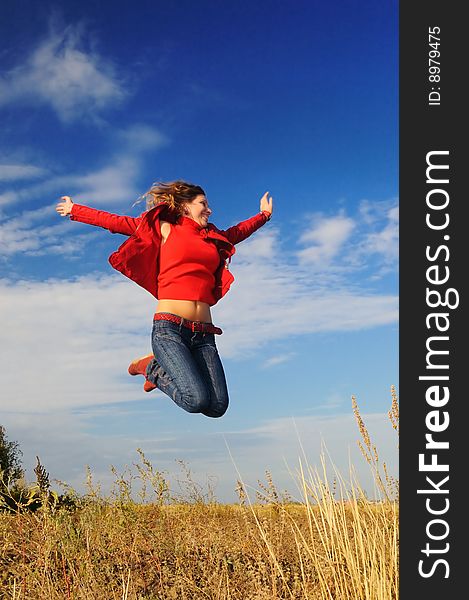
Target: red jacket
{"x": 137, "y": 257}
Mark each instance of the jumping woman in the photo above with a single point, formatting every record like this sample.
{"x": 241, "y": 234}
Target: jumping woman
{"x": 182, "y": 260}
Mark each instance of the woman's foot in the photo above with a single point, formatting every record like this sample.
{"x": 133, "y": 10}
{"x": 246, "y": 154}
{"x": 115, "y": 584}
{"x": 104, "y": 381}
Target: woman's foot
{"x": 139, "y": 367}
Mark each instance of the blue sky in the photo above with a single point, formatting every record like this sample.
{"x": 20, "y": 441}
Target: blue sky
{"x": 300, "y": 99}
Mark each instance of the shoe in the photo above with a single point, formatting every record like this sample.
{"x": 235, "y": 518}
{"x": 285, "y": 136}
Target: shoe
{"x": 139, "y": 367}
{"x": 148, "y": 386}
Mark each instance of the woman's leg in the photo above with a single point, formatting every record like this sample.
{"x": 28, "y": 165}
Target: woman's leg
{"x": 210, "y": 366}
{"x": 188, "y": 369}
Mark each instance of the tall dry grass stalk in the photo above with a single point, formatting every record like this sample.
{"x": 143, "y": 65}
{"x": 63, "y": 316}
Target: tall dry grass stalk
{"x": 387, "y": 485}
{"x": 332, "y": 544}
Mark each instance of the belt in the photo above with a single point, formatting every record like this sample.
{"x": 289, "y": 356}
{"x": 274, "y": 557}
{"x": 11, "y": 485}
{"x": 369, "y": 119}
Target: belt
{"x": 195, "y": 326}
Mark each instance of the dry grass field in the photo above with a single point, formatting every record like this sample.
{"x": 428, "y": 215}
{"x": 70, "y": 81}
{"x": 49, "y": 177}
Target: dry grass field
{"x": 334, "y": 544}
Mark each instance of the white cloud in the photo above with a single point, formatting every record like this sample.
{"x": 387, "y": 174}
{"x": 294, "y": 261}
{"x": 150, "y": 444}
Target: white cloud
{"x": 374, "y": 212}
{"x": 25, "y": 234}
{"x": 62, "y": 74}
{"x": 385, "y": 240}
{"x": 325, "y": 239}
{"x": 140, "y": 138}
{"x": 7, "y": 198}
{"x": 278, "y": 360}
{"x": 275, "y": 299}
{"x": 113, "y": 183}
{"x": 77, "y": 338}
{"x": 13, "y": 172}
{"x": 341, "y": 244}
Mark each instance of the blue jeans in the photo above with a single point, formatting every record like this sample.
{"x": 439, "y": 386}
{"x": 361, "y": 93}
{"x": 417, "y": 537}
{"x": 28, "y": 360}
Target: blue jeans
{"x": 187, "y": 367}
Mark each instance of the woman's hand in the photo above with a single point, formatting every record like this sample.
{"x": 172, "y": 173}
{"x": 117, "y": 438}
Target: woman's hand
{"x": 266, "y": 203}
{"x": 64, "y": 208}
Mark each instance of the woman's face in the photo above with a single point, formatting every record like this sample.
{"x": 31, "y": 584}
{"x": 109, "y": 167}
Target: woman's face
{"x": 198, "y": 210}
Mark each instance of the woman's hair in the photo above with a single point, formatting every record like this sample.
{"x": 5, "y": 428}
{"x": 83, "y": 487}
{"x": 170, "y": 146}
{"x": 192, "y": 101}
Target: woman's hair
{"x": 175, "y": 193}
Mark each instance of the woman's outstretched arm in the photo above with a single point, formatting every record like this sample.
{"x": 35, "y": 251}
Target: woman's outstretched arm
{"x": 243, "y": 230}
{"x": 100, "y": 218}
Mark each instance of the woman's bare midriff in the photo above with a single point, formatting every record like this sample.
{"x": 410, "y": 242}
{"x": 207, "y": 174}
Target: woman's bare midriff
{"x": 188, "y": 309}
